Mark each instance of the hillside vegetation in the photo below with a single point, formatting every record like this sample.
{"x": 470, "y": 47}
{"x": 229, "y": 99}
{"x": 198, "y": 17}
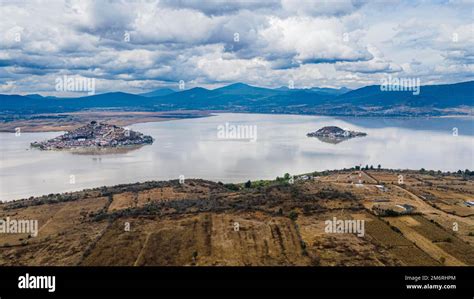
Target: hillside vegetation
{"x": 258, "y": 223}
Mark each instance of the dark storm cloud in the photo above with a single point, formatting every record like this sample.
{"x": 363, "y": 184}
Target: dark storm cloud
{"x": 220, "y": 7}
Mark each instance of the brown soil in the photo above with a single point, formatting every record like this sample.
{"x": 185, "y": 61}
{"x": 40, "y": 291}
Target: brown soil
{"x": 206, "y": 223}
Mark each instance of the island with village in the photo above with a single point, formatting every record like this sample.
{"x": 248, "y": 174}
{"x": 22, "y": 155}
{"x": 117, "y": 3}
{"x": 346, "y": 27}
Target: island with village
{"x": 333, "y": 134}
{"x": 95, "y": 135}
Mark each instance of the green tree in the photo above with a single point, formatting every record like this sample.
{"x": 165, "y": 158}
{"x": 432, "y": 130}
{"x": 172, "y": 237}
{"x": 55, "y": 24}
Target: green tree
{"x": 232, "y": 187}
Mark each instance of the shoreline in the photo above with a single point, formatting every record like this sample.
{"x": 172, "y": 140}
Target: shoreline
{"x": 296, "y": 176}
{"x": 48, "y": 122}
{"x": 287, "y": 216}
{"x": 61, "y": 122}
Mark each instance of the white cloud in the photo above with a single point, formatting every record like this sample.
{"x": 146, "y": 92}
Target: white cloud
{"x": 314, "y": 43}
{"x": 310, "y": 40}
{"x": 378, "y": 64}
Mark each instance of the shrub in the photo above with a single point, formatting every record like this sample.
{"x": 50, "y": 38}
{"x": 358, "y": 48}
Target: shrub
{"x": 293, "y": 215}
{"x": 442, "y": 260}
{"x": 232, "y": 187}
{"x": 395, "y": 229}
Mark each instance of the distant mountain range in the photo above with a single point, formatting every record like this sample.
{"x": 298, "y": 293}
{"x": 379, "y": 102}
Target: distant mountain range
{"x": 440, "y": 96}
{"x": 158, "y": 93}
{"x": 240, "y": 97}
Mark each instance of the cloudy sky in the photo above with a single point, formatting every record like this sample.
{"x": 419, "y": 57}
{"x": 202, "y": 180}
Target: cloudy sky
{"x": 137, "y": 46}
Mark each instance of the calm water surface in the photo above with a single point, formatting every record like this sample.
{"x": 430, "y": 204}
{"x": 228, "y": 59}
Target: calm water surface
{"x": 191, "y": 147}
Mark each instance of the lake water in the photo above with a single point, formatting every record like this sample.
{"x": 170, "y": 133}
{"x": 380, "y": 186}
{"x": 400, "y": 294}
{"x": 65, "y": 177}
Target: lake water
{"x": 191, "y": 147}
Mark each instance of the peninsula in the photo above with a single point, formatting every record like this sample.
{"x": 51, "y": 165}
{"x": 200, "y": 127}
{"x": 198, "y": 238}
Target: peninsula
{"x": 95, "y": 135}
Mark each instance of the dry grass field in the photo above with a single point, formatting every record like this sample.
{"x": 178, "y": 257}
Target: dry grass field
{"x": 270, "y": 223}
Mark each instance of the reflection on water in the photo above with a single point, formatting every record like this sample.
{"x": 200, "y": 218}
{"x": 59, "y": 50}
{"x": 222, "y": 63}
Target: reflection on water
{"x": 443, "y": 124}
{"x": 191, "y": 147}
{"x": 104, "y": 150}
{"x": 333, "y": 140}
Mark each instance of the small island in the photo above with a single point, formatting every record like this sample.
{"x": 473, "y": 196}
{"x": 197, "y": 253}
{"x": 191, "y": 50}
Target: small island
{"x": 333, "y": 134}
{"x": 95, "y": 135}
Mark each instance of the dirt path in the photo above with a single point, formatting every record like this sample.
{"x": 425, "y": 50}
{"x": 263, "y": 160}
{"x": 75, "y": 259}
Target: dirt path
{"x": 49, "y": 220}
{"x": 425, "y": 244}
{"x": 141, "y": 250}
{"x": 374, "y": 180}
